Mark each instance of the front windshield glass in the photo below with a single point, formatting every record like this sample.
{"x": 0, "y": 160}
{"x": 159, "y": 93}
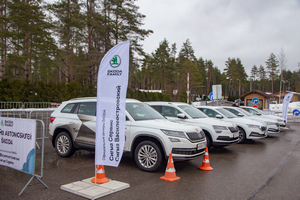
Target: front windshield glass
{"x": 260, "y": 111}
{"x": 140, "y": 111}
{"x": 192, "y": 111}
{"x": 226, "y": 113}
{"x": 252, "y": 111}
{"x": 244, "y": 112}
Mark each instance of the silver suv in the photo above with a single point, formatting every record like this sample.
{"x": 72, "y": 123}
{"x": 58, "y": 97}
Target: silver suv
{"x": 149, "y": 137}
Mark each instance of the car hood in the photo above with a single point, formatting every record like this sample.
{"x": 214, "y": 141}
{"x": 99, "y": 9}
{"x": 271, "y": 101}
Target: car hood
{"x": 262, "y": 119}
{"x": 166, "y": 124}
{"x": 244, "y": 121}
{"x": 272, "y": 117}
{"x": 210, "y": 121}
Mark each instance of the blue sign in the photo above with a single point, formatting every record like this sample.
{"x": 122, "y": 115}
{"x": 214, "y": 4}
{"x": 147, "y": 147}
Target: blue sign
{"x": 211, "y": 96}
{"x": 296, "y": 112}
{"x": 255, "y": 100}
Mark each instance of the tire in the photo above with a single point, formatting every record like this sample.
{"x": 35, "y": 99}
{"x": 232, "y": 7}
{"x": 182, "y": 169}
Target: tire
{"x": 242, "y": 135}
{"x": 208, "y": 142}
{"x": 64, "y": 145}
{"x": 148, "y": 156}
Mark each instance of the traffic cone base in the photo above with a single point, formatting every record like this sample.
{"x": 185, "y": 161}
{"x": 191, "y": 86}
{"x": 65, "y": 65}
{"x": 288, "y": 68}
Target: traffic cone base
{"x": 205, "y": 164}
{"x": 170, "y": 174}
{"x": 100, "y": 175}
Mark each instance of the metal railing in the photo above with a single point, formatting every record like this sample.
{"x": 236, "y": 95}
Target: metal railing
{"x": 30, "y": 113}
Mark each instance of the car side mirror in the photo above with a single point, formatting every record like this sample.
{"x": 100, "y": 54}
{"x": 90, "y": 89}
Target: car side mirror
{"x": 219, "y": 116}
{"x": 258, "y": 114}
{"x": 240, "y": 115}
{"x": 181, "y": 116}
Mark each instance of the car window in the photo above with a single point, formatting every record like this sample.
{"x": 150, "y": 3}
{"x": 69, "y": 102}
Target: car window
{"x": 234, "y": 111}
{"x": 87, "y": 108}
{"x": 68, "y": 108}
{"x": 251, "y": 111}
{"x": 192, "y": 111}
{"x": 157, "y": 108}
{"x": 209, "y": 112}
{"x": 141, "y": 111}
{"x": 226, "y": 113}
{"x": 169, "y": 111}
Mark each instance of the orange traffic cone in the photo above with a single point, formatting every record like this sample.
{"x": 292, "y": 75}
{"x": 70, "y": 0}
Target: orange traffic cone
{"x": 205, "y": 165}
{"x": 170, "y": 174}
{"x": 100, "y": 176}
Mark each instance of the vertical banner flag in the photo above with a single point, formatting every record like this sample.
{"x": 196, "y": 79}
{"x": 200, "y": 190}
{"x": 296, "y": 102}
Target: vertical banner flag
{"x": 285, "y": 105}
{"x": 17, "y": 149}
{"x": 111, "y": 101}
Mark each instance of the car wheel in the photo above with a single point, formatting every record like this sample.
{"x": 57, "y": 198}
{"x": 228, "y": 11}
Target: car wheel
{"x": 148, "y": 156}
{"x": 242, "y": 135}
{"x": 64, "y": 145}
{"x": 208, "y": 142}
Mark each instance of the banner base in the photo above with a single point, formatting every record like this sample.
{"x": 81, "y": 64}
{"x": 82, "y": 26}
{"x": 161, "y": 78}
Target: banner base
{"x": 33, "y": 176}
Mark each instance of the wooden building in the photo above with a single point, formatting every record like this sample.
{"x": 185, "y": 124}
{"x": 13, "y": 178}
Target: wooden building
{"x": 258, "y": 98}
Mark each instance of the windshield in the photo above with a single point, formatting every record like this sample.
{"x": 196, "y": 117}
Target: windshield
{"x": 252, "y": 111}
{"x": 259, "y": 111}
{"x": 140, "y": 111}
{"x": 244, "y": 112}
{"x": 226, "y": 113}
{"x": 192, "y": 111}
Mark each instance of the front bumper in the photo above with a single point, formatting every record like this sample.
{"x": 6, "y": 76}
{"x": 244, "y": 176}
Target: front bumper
{"x": 257, "y": 135}
{"x": 273, "y": 130}
{"x": 181, "y": 154}
{"x": 225, "y": 141}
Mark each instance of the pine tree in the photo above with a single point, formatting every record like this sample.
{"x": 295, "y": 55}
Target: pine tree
{"x": 272, "y": 68}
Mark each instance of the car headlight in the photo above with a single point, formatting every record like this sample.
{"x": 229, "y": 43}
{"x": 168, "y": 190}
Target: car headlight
{"x": 219, "y": 127}
{"x": 174, "y": 133}
{"x": 253, "y": 126}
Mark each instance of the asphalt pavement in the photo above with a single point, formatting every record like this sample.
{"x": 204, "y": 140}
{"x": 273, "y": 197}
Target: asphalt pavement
{"x": 268, "y": 168}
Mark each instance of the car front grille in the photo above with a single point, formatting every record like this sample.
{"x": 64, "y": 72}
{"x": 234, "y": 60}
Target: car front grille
{"x": 233, "y": 129}
{"x": 263, "y": 128}
{"x": 194, "y": 136}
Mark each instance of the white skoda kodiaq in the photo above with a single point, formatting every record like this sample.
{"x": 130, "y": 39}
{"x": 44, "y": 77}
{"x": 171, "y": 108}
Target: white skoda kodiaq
{"x": 149, "y": 136}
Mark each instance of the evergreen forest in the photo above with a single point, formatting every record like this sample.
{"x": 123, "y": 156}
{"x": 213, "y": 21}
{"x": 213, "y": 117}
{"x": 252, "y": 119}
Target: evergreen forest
{"x": 51, "y": 51}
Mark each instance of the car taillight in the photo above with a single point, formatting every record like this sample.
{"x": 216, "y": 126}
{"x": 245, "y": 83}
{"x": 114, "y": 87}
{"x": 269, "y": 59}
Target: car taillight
{"x": 52, "y": 119}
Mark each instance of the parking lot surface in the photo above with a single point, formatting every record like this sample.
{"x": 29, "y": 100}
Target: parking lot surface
{"x": 268, "y": 168}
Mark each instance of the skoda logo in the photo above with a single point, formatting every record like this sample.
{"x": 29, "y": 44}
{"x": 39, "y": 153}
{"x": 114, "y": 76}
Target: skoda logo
{"x": 115, "y": 61}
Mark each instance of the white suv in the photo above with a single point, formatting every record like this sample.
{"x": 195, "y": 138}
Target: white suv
{"x": 249, "y": 129}
{"x": 258, "y": 112}
{"x": 218, "y": 133}
{"x": 148, "y": 135}
{"x": 272, "y": 125}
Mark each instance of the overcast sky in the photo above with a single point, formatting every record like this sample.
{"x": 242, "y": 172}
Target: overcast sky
{"x": 218, "y": 29}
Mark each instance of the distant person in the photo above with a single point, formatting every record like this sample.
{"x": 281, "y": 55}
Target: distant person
{"x": 236, "y": 103}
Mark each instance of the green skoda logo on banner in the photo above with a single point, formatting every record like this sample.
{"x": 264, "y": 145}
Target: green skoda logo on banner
{"x": 115, "y": 61}
{"x": 2, "y": 123}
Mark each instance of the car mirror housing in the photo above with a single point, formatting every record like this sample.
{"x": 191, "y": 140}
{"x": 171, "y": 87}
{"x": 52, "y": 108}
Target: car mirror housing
{"x": 219, "y": 117}
{"x": 181, "y": 116}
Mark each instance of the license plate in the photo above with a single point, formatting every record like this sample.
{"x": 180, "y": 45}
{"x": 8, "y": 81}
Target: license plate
{"x": 201, "y": 146}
